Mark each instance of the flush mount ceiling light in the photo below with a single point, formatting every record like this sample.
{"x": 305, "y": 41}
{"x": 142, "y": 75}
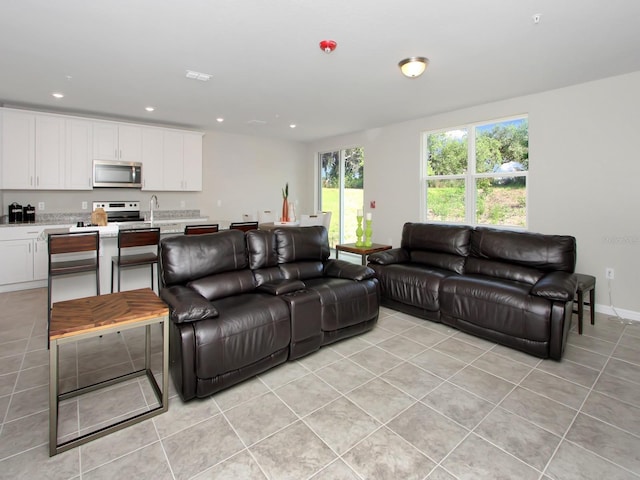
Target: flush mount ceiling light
{"x": 328, "y": 46}
{"x": 193, "y": 75}
{"x": 149, "y": 109}
{"x": 413, "y": 67}
{"x": 57, "y": 95}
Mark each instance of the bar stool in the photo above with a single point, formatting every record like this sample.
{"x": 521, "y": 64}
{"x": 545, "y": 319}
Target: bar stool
{"x": 586, "y": 283}
{"x": 200, "y": 229}
{"x": 244, "y": 226}
{"x": 67, "y": 243}
{"x": 136, "y": 237}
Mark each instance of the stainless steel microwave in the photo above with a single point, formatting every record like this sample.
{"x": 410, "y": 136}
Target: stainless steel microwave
{"x": 108, "y": 173}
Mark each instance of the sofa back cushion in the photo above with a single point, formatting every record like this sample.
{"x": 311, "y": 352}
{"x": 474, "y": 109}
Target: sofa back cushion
{"x": 300, "y": 244}
{"x": 441, "y": 246}
{"x": 185, "y": 258}
{"x": 526, "y": 255}
{"x": 225, "y": 284}
{"x": 261, "y": 249}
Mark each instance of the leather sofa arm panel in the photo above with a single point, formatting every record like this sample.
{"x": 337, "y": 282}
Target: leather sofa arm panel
{"x": 560, "y": 286}
{"x": 281, "y": 287}
{"x": 187, "y": 305}
{"x": 388, "y": 257}
{"x": 343, "y": 269}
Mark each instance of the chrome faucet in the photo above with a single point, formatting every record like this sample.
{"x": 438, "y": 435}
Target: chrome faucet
{"x": 153, "y": 203}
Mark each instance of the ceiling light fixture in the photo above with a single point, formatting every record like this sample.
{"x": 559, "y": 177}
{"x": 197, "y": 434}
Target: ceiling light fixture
{"x": 413, "y": 67}
{"x": 293, "y": 125}
{"x": 57, "y": 95}
{"x": 328, "y": 46}
{"x": 149, "y": 109}
{"x": 193, "y": 75}
{"x": 219, "y": 119}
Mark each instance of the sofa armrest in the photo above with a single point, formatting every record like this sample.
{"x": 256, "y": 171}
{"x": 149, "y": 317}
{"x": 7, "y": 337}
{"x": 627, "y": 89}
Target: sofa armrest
{"x": 388, "y": 257}
{"x": 560, "y": 286}
{"x": 343, "y": 269}
{"x": 280, "y": 287}
{"x": 187, "y": 305}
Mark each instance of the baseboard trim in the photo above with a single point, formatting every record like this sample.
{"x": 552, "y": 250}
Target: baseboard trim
{"x": 624, "y": 314}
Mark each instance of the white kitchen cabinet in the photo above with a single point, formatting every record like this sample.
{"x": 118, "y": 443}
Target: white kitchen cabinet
{"x": 192, "y": 162}
{"x": 177, "y": 165}
{"x": 18, "y": 149}
{"x": 114, "y": 141}
{"x": 33, "y": 148}
{"x": 78, "y": 159}
{"x": 17, "y": 261}
{"x": 152, "y": 159}
{"x": 50, "y": 150}
{"x": 24, "y": 255}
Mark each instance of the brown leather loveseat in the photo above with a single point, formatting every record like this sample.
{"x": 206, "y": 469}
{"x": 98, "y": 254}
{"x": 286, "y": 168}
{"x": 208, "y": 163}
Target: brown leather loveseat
{"x": 514, "y": 288}
{"x": 241, "y": 303}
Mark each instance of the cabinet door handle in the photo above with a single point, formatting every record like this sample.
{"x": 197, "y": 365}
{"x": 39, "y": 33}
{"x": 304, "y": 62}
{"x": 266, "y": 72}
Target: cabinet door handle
{"x": 37, "y": 181}
{"x": 115, "y": 153}
{"x": 120, "y": 154}
{"x": 29, "y": 248}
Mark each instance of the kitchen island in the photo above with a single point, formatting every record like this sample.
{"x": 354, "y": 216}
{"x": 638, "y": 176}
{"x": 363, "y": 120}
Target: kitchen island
{"x": 68, "y": 287}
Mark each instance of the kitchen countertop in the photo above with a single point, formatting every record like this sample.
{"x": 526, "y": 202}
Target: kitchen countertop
{"x": 166, "y": 227}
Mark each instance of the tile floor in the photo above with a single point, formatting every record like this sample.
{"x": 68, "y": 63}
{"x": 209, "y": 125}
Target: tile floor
{"x": 409, "y": 400}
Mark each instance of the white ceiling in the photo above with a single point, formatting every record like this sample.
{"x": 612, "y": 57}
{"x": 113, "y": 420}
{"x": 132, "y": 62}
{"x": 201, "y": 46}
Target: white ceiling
{"x": 123, "y": 55}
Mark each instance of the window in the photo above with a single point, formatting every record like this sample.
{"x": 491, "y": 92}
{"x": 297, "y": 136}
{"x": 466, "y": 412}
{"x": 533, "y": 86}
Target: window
{"x": 341, "y": 191}
{"x": 477, "y": 174}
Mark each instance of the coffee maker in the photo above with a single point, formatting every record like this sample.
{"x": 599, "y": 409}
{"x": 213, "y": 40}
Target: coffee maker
{"x": 15, "y": 213}
{"x": 29, "y": 214}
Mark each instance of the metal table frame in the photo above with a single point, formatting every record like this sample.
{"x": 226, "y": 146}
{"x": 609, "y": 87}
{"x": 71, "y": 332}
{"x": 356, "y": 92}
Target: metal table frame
{"x": 55, "y": 397}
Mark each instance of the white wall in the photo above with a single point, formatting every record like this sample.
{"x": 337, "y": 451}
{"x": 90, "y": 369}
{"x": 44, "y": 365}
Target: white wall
{"x": 583, "y": 179}
{"x": 247, "y": 174}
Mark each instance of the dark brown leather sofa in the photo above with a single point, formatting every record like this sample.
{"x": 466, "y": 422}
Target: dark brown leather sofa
{"x": 514, "y": 288}
{"x": 241, "y": 303}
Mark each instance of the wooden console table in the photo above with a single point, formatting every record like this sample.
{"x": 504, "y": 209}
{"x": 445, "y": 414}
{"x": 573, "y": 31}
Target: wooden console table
{"x": 83, "y": 318}
{"x": 362, "y": 251}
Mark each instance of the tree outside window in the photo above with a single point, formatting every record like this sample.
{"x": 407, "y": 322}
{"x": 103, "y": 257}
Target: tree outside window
{"x": 477, "y": 174}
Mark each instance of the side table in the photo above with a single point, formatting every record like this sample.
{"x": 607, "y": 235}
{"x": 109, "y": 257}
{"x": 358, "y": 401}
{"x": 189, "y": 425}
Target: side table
{"x": 83, "y": 318}
{"x": 362, "y": 251}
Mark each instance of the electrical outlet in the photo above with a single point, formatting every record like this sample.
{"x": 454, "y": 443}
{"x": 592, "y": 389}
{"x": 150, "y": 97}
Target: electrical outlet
{"x": 84, "y": 205}
{"x": 609, "y": 273}
{"x": 41, "y": 206}
{"x": 183, "y": 204}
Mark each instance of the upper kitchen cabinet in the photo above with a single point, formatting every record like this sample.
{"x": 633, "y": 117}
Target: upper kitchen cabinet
{"x": 177, "y": 166}
{"x": 113, "y": 141}
{"x": 152, "y": 158}
{"x": 79, "y": 158}
{"x": 33, "y": 149}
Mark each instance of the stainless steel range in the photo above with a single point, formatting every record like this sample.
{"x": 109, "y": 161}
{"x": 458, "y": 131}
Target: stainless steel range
{"x": 127, "y": 211}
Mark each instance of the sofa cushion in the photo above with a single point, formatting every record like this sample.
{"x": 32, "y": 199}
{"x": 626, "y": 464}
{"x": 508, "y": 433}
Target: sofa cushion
{"x": 508, "y": 271}
{"x": 343, "y": 302}
{"x": 224, "y": 284}
{"x": 249, "y": 328}
{"x": 532, "y": 250}
{"x": 261, "y": 249}
{"x": 452, "y": 239}
{"x": 189, "y": 257}
{"x": 411, "y": 284}
{"x": 296, "y": 244}
{"x": 302, "y": 270}
{"x": 500, "y": 305}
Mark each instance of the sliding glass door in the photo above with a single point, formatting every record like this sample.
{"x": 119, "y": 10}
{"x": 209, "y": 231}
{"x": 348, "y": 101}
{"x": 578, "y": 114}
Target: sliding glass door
{"x": 341, "y": 191}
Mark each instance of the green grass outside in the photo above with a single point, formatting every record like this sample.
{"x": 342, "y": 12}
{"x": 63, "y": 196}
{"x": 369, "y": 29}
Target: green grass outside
{"x": 354, "y": 200}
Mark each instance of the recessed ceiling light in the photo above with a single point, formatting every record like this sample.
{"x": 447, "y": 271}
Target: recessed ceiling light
{"x": 57, "y": 95}
{"x": 220, "y": 119}
{"x": 149, "y": 109}
{"x": 293, "y": 125}
{"x": 193, "y": 75}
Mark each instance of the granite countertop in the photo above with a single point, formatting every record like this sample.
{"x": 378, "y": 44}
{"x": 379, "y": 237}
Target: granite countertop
{"x": 166, "y": 227}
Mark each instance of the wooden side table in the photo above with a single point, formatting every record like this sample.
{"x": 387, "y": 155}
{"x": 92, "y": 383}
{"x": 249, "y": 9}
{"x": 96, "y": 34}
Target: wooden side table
{"x": 83, "y": 318}
{"x": 362, "y": 251}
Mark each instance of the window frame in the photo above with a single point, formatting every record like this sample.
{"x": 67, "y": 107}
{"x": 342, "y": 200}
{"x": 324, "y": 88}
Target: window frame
{"x": 470, "y": 176}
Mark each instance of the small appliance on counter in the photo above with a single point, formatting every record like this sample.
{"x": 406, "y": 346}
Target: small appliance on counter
{"x": 15, "y": 213}
{"x": 29, "y": 214}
